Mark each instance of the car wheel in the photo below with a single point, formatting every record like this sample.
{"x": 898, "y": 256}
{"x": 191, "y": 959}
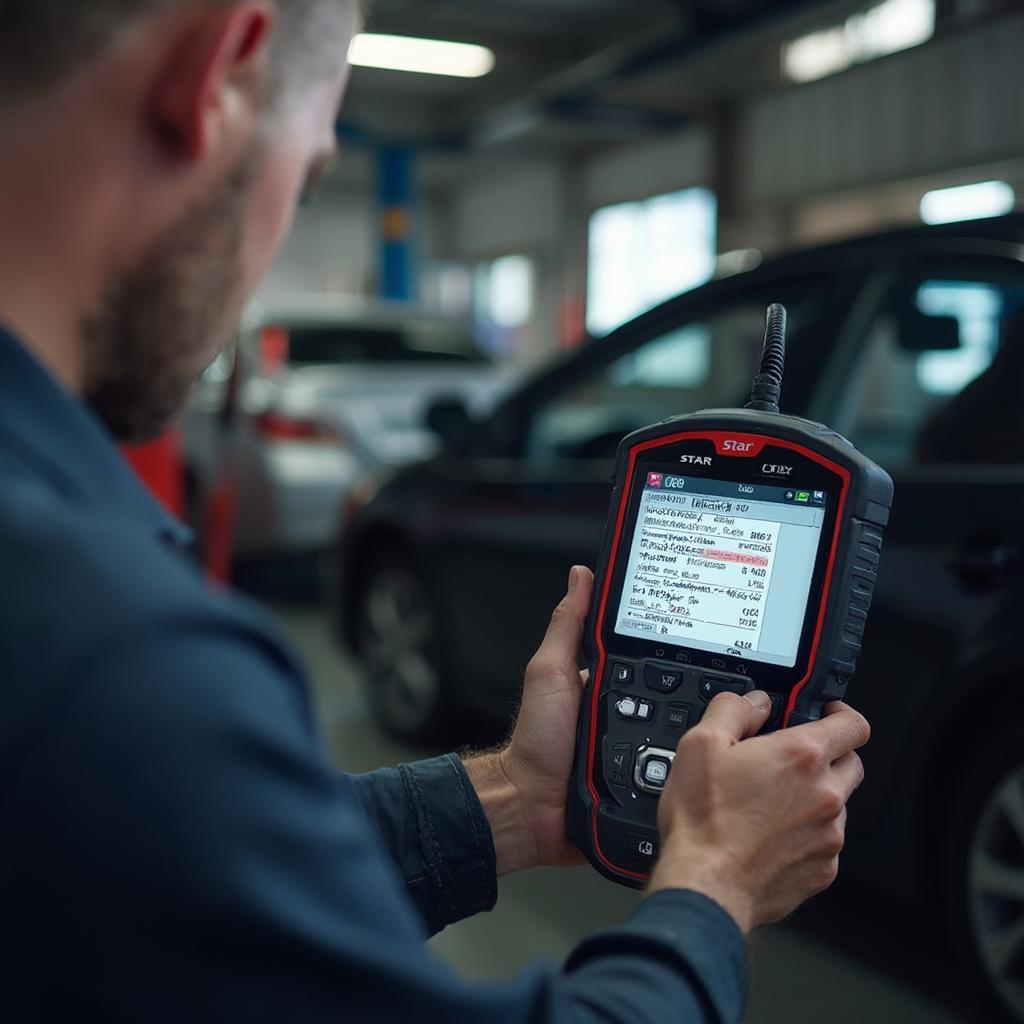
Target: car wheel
{"x": 399, "y": 642}
{"x": 985, "y": 872}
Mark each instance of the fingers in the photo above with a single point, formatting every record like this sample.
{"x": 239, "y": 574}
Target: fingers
{"x": 581, "y": 587}
{"x": 737, "y": 718}
{"x": 848, "y": 773}
{"x": 561, "y": 644}
{"x": 840, "y": 731}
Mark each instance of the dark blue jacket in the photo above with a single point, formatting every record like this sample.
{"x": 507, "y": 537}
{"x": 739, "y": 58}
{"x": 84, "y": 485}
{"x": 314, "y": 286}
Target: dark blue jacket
{"x": 174, "y": 845}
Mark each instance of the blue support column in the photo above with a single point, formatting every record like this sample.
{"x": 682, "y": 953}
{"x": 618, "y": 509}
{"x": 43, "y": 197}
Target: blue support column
{"x": 397, "y": 224}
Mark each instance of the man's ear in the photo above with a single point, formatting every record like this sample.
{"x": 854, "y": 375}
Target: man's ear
{"x": 210, "y": 87}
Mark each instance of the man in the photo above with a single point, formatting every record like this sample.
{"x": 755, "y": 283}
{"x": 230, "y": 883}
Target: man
{"x": 175, "y": 845}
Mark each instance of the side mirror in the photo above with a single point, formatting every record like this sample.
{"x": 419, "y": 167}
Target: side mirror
{"x": 450, "y": 420}
{"x": 919, "y": 332}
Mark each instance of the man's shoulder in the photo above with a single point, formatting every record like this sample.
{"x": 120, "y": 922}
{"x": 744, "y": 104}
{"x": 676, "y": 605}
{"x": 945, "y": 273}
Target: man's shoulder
{"x": 64, "y": 556}
{"x": 75, "y": 585}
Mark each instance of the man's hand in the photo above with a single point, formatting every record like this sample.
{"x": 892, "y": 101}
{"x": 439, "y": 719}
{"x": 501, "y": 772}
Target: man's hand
{"x": 523, "y": 787}
{"x": 754, "y": 822}
{"x": 758, "y": 823}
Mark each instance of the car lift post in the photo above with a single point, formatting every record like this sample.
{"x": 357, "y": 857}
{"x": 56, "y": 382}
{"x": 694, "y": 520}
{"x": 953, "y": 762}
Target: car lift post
{"x": 397, "y": 223}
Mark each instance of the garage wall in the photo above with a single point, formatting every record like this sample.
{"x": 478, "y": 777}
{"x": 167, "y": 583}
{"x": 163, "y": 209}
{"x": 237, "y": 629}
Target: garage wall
{"x": 652, "y": 168}
{"x": 955, "y": 102}
{"x": 335, "y": 244}
{"x": 802, "y": 173}
{"x": 515, "y": 209}
{"x": 540, "y": 208}
{"x": 526, "y": 205}
{"x": 520, "y": 209}
{"x": 331, "y": 249}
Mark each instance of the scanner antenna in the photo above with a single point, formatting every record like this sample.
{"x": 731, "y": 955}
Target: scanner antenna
{"x": 764, "y": 396}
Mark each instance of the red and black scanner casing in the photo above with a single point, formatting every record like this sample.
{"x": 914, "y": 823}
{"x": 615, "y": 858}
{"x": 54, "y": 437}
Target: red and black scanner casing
{"x": 612, "y": 822}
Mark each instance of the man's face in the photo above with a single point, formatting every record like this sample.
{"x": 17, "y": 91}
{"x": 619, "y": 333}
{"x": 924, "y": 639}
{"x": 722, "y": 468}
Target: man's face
{"x": 165, "y": 320}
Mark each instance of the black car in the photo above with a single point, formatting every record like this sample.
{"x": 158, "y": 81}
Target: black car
{"x": 909, "y": 343}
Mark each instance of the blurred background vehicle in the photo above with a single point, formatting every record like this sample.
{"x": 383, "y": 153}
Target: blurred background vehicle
{"x": 909, "y": 343}
{"x": 317, "y": 392}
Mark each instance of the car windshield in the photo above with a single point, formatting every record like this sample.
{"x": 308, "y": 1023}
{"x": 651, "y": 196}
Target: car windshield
{"x": 345, "y": 345}
{"x": 701, "y": 362}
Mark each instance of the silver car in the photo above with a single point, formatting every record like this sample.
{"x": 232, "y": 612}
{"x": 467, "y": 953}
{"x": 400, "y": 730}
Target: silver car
{"x": 316, "y": 395}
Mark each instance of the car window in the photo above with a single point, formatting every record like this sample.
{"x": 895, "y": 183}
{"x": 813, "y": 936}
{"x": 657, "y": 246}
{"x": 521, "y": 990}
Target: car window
{"x": 425, "y": 342}
{"x": 936, "y": 376}
{"x": 704, "y": 363}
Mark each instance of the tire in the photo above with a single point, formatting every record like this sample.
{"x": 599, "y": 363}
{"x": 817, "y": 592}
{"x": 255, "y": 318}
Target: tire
{"x": 984, "y": 875}
{"x": 399, "y": 644}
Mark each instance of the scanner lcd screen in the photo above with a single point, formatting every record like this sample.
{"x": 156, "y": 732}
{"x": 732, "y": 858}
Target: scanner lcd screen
{"x": 721, "y": 566}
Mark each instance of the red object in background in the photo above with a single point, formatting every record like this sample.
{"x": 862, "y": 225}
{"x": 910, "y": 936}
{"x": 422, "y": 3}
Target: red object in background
{"x": 274, "y": 345}
{"x": 275, "y": 426}
{"x": 221, "y": 516}
{"x": 160, "y": 467}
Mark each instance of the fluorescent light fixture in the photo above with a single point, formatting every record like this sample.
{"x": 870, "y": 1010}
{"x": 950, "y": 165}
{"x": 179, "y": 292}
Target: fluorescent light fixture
{"x": 967, "y": 202}
{"x": 421, "y": 56}
{"x": 884, "y": 28}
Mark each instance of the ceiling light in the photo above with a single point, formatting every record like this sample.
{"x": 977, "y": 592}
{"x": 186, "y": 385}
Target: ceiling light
{"x": 967, "y": 202}
{"x": 886, "y": 27}
{"x": 421, "y": 56}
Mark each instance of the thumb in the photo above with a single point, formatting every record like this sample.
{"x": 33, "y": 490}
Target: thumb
{"x": 738, "y": 718}
{"x": 561, "y": 645}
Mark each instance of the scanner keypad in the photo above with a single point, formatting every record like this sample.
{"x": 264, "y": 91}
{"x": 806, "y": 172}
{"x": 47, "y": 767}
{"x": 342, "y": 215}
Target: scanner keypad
{"x": 672, "y": 699}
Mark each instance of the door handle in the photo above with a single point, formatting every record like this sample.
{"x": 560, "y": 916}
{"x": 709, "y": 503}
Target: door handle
{"x": 981, "y": 562}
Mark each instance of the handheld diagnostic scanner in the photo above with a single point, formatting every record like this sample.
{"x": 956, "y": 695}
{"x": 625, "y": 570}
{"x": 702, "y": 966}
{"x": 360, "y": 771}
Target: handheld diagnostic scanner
{"x": 740, "y": 553}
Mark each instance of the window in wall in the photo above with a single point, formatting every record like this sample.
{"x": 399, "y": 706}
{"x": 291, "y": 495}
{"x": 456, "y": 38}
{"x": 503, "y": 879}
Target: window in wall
{"x": 505, "y": 302}
{"x": 881, "y": 29}
{"x": 447, "y": 287}
{"x": 646, "y": 252}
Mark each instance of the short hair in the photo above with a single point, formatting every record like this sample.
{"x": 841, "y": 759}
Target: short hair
{"x": 42, "y": 41}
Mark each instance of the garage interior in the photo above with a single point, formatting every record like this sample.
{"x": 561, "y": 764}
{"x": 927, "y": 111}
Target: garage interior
{"x": 596, "y": 104}
{"x": 551, "y": 223}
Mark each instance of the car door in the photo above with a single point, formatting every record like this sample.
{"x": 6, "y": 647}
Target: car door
{"x": 524, "y": 515}
{"x": 930, "y": 387}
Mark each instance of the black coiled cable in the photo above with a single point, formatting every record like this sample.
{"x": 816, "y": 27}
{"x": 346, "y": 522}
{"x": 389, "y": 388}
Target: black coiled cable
{"x": 764, "y": 396}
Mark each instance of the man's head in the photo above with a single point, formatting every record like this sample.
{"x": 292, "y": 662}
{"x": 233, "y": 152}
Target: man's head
{"x": 193, "y": 126}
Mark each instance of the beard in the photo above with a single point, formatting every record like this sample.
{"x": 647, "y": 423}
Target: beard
{"x": 167, "y": 318}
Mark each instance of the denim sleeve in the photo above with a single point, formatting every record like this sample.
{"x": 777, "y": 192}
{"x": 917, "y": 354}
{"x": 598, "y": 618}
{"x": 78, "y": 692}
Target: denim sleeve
{"x": 682, "y": 950}
{"x": 179, "y": 849}
{"x": 436, "y": 831}
{"x": 435, "y": 828}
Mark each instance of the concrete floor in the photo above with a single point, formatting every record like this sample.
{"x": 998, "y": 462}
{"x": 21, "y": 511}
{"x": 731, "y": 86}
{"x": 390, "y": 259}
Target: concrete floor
{"x": 843, "y": 960}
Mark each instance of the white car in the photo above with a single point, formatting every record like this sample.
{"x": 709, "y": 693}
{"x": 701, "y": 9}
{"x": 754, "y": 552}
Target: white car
{"x": 316, "y": 395}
